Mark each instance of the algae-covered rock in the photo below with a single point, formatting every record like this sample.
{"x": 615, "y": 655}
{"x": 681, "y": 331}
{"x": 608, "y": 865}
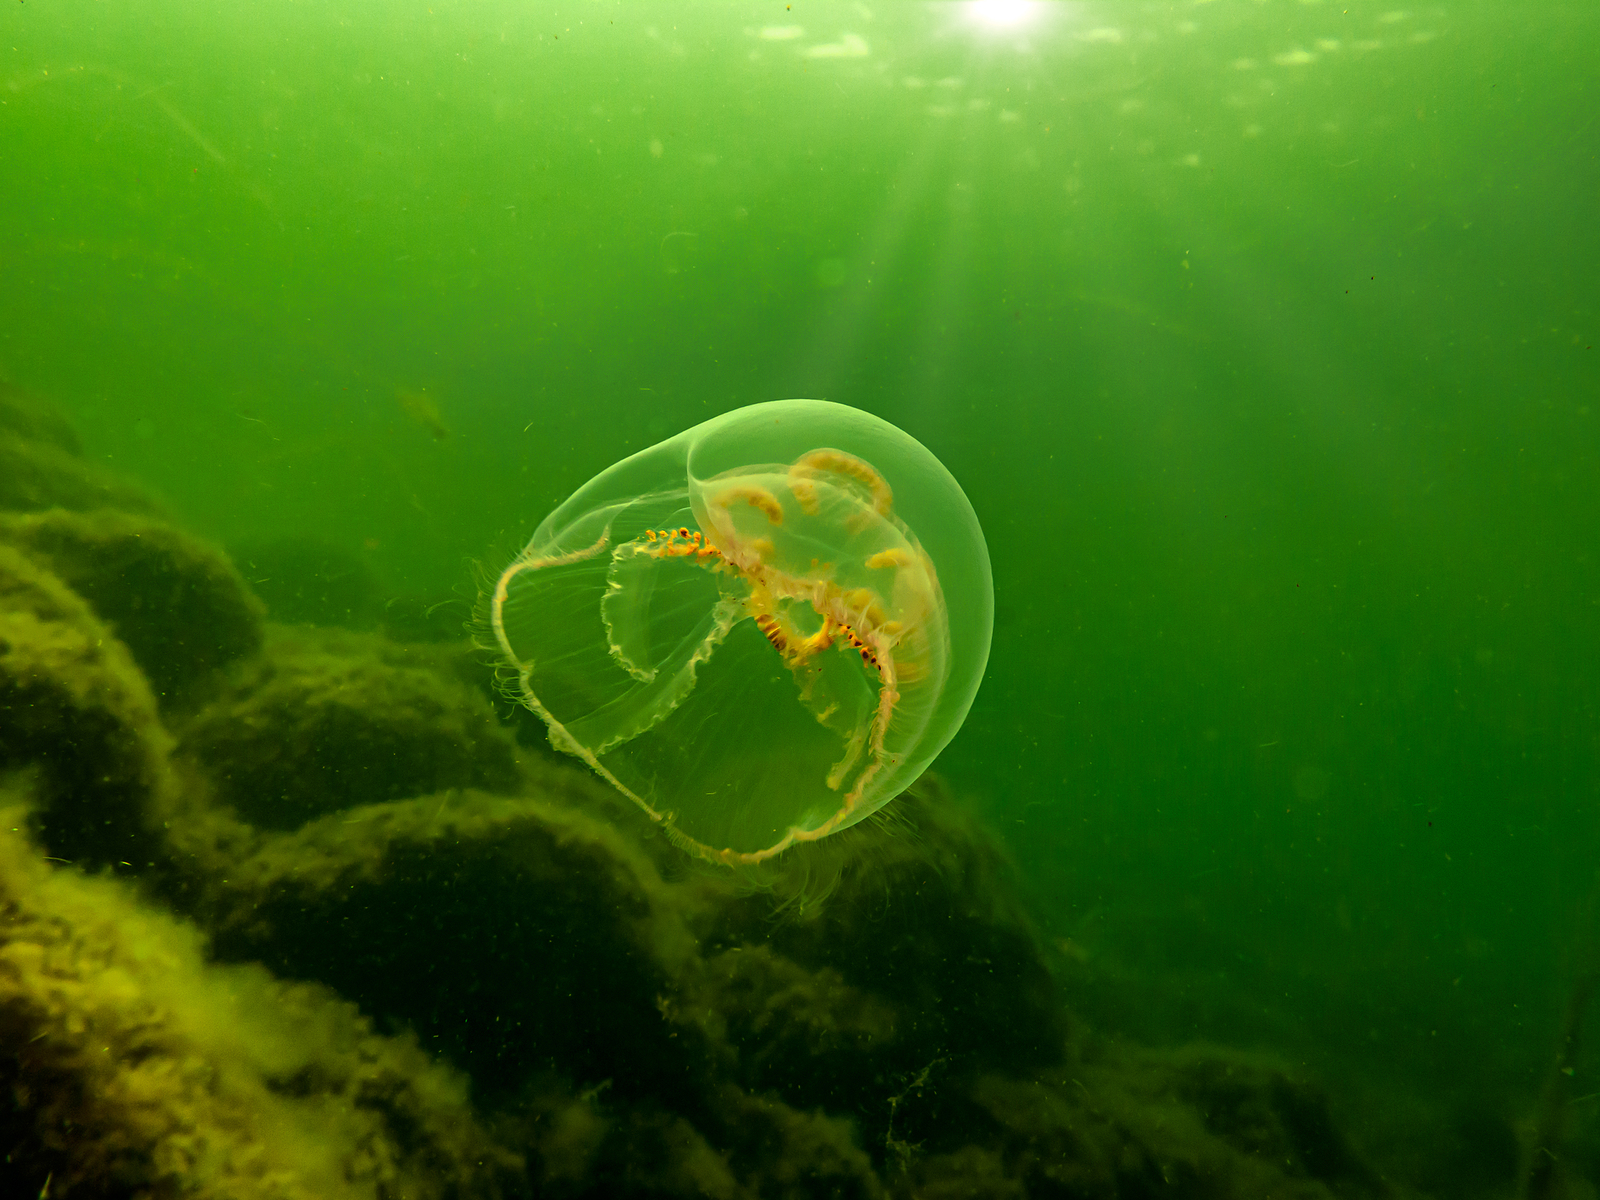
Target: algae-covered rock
{"x": 27, "y": 417}
{"x": 634, "y": 1035}
{"x": 131, "y": 1068}
{"x": 516, "y": 935}
{"x": 781, "y": 1151}
{"x": 42, "y": 464}
{"x": 328, "y": 720}
{"x": 75, "y": 709}
{"x": 962, "y": 955}
{"x": 780, "y": 1028}
{"x": 533, "y": 946}
{"x": 178, "y": 604}
{"x": 36, "y": 475}
{"x": 760, "y": 1148}
{"x": 1199, "y": 1121}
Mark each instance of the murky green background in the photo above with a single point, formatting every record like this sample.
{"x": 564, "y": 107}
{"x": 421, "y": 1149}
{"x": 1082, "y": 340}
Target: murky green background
{"x": 1260, "y": 333}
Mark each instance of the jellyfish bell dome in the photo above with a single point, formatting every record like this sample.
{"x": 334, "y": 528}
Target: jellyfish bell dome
{"x": 760, "y": 630}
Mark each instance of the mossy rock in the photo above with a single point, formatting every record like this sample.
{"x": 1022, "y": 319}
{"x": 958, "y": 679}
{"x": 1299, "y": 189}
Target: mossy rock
{"x": 786, "y": 1030}
{"x": 75, "y": 710}
{"x": 38, "y": 475}
{"x": 519, "y": 937}
{"x": 175, "y": 602}
{"x": 587, "y": 1144}
{"x": 761, "y": 1148}
{"x": 538, "y": 950}
{"x": 134, "y": 1069}
{"x": 324, "y": 721}
{"x": 1199, "y": 1121}
{"x": 921, "y": 908}
{"x": 31, "y": 419}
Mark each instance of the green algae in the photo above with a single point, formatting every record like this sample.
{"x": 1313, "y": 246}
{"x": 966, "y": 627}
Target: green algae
{"x": 178, "y": 604}
{"x": 75, "y": 709}
{"x": 42, "y": 464}
{"x": 321, "y": 722}
{"x": 142, "y": 1066}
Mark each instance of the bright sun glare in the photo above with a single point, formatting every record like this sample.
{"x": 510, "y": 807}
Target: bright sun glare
{"x": 1001, "y": 14}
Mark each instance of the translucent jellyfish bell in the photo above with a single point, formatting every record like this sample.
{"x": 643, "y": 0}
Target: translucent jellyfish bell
{"x": 761, "y": 630}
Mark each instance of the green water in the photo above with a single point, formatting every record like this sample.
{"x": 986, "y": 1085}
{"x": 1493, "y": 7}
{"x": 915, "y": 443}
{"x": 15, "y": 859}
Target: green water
{"x": 1259, "y": 333}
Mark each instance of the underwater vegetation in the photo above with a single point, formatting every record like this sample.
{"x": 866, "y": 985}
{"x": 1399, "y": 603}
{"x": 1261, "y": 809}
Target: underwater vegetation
{"x": 760, "y": 630}
{"x": 307, "y": 917}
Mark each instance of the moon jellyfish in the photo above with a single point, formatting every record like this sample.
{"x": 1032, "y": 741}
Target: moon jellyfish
{"x": 760, "y": 630}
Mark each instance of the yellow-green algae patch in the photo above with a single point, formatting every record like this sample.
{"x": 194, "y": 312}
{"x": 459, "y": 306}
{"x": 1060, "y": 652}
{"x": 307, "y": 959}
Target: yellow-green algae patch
{"x": 27, "y": 417}
{"x": 325, "y": 720}
{"x": 178, "y": 604}
{"x": 322, "y": 871}
{"x": 74, "y": 705}
{"x": 41, "y": 463}
{"x": 138, "y": 1069}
